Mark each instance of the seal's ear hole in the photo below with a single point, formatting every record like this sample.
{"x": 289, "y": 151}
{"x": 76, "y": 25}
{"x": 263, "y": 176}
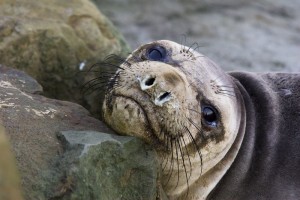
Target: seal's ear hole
{"x": 156, "y": 53}
{"x": 210, "y": 116}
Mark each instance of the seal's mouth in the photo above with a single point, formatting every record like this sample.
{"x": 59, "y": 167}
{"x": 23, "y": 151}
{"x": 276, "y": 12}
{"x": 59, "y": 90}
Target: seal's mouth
{"x": 127, "y": 116}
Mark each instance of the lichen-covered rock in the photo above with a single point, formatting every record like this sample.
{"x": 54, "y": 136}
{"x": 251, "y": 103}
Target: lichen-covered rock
{"x": 19, "y": 79}
{"x": 32, "y": 122}
{"x": 51, "y": 39}
{"x": 9, "y": 177}
{"x": 108, "y": 167}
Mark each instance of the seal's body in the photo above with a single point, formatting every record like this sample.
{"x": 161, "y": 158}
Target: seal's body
{"x": 218, "y": 135}
{"x": 267, "y": 165}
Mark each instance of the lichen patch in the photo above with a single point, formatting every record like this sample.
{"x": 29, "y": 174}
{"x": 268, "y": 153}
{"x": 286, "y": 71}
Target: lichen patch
{"x": 48, "y": 112}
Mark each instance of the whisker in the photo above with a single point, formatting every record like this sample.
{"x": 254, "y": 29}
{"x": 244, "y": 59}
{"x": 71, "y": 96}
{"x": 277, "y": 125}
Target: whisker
{"x": 114, "y": 57}
{"x": 93, "y": 87}
{"x": 225, "y": 90}
{"x": 194, "y": 110}
{"x": 167, "y": 156}
{"x": 217, "y": 78}
{"x": 188, "y": 157}
{"x": 182, "y": 41}
{"x": 107, "y": 64}
{"x": 195, "y": 125}
{"x": 227, "y": 86}
{"x": 227, "y": 94}
{"x": 200, "y": 56}
{"x": 195, "y": 43}
{"x": 177, "y": 158}
{"x": 196, "y": 146}
{"x": 184, "y": 166}
{"x": 101, "y": 79}
{"x": 171, "y": 166}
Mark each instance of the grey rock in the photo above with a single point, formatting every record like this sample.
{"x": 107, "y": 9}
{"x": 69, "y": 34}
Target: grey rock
{"x": 108, "y": 167}
{"x": 20, "y": 80}
{"x": 31, "y": 122}
{"x": 259, "y": 35}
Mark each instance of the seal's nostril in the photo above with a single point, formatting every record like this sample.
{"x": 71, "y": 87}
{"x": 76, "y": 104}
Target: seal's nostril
{"x": 162, "y": 98}
{"x": 164, "y": 95}
{"x": 149, "y": 82}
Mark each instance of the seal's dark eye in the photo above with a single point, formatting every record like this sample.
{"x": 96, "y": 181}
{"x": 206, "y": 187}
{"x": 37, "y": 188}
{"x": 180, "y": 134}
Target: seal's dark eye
{"x": 157, "y": 53}
{"x": 209, "y": 116}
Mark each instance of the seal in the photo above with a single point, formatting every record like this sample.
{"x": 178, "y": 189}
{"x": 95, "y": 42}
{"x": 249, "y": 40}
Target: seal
{"x": 218, "y": 135}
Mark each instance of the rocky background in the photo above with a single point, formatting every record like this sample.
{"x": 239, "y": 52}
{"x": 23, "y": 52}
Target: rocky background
{"x": 257, "y": 35}
{"x": 59, "y": 149}
{"x": 47, "y": 49}
{"x": 56, "y": 42}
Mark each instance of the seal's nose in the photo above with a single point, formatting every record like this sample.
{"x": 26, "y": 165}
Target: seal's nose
{"x": 159, "y": 95}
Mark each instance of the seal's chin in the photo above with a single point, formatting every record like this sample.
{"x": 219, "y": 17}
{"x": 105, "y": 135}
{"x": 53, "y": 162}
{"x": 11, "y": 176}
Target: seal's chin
{"x": 127, "y": 117}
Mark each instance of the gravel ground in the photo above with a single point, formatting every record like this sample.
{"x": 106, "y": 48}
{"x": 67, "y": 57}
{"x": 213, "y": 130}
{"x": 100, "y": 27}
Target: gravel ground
{"x": 238, "y": 35}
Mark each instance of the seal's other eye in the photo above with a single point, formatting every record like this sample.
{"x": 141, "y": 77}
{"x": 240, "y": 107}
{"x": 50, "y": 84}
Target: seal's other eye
{"x": 209, "y": 115}
{"x": 157, "y": 53}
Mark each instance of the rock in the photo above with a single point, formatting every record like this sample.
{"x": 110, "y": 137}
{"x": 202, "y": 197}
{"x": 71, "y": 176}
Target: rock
{"x": 237, "y": 34}
{"x": 10, "y": 187}
{"x": 20, "y": 80}
{"x": 108, "y": 167}
{"x": 51, "y": 40}
{"x": 32, "y": 122}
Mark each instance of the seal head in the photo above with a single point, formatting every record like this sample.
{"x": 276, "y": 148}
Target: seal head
{"x": 183, "y": 104}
